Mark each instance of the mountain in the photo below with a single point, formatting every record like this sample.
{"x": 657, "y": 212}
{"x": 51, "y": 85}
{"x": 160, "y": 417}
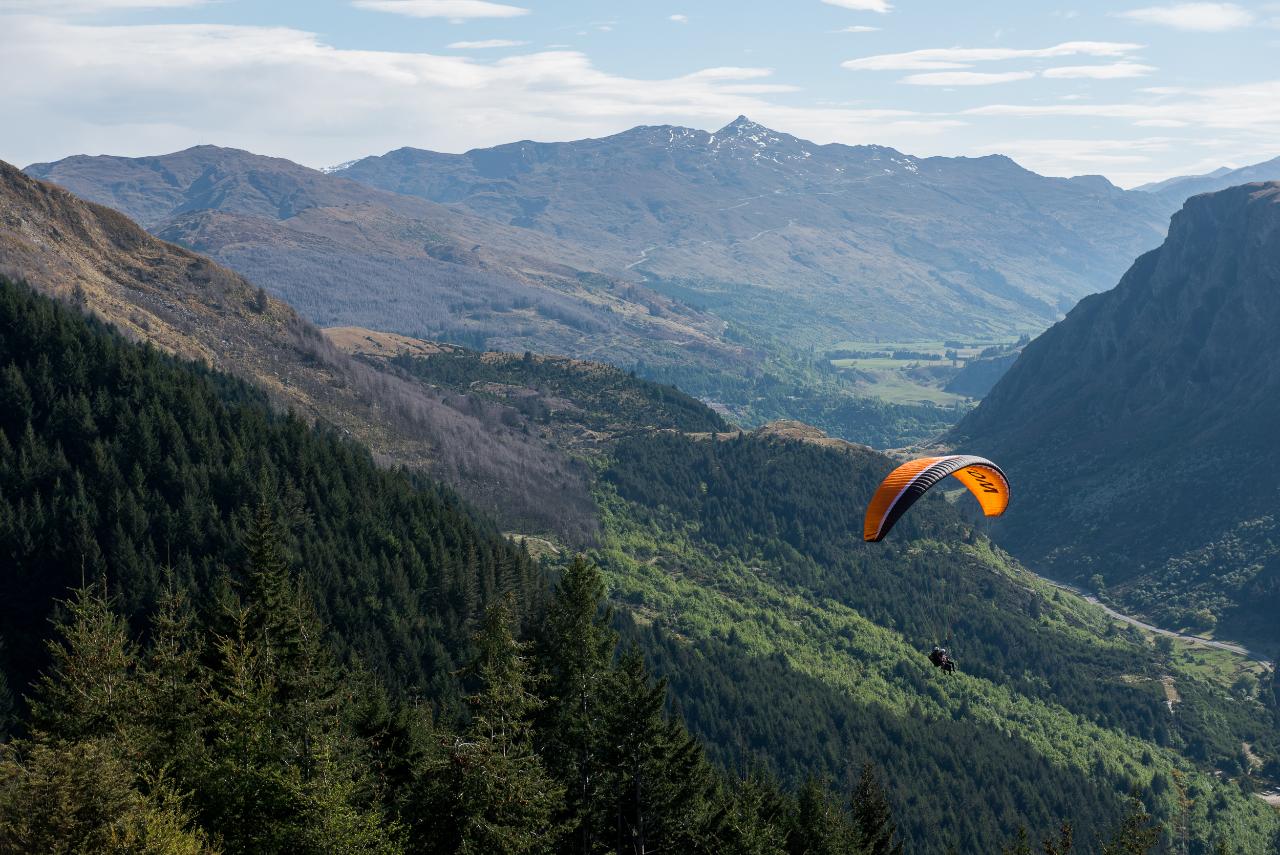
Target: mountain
{"x": 575, "y": 405}
{"x": 1173, "y": 191}
{"x": 790, "y": 644}
{"x": 723, "y": 262}
{"x": 1139, "y": 432}
{"x": 813, "y": 243}
{"x": 1159, "y": 186}
{"x": 346, "y": 254}
{"x": 187, "y": 305}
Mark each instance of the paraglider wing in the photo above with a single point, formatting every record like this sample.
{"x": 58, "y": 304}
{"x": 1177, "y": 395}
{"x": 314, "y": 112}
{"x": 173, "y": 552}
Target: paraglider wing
{"x": 904, "y": 485}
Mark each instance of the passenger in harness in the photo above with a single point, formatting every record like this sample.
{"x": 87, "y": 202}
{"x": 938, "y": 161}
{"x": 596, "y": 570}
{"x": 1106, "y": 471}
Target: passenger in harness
{"x": 941, "y": 659}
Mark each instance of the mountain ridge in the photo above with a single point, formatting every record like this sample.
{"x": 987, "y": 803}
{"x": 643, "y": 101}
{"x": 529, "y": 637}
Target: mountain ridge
{"x": 1140, "y": 427}
{"x": 678, "y": 203}
{"x": 98, "y": 259}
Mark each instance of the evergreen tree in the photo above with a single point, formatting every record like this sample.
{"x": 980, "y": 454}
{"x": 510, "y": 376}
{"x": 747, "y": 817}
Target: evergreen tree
{"x": 752, "y": 818}
{"x": 90, "y": 689}
{"x": 172, "y": 687}
{"x": 1136, "y": 833}
{"x": 660, "y": 785}
{"x": 873, "y": 822}
{"x": 819, "y": 825}
{"x": 576, "y": 652}
{"x": 62, "y": 798}
{"x": 489, "y": 791}
{"x": 285, "y": 772}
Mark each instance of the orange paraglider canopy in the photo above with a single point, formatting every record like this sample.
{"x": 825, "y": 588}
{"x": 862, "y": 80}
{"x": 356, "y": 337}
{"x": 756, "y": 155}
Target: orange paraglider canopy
{"x": 904, "y": 485}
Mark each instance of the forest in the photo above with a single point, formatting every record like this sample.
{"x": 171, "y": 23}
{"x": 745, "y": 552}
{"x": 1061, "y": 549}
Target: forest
{"x": 736, "y": 559}
{"x": 227, "y": 630}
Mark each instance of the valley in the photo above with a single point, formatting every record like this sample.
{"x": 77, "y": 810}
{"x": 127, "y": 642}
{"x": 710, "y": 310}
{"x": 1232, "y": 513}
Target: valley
{"x": 510, "y": 501}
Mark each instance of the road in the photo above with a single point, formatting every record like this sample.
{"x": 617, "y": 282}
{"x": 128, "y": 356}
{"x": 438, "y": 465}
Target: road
{"x": 1133, "y": 621}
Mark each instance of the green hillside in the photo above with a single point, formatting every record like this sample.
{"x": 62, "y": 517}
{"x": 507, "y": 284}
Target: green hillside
{"x": 791, "y": 643}
{"x": 277, "y": 646}
{"x": 262, "y": 643}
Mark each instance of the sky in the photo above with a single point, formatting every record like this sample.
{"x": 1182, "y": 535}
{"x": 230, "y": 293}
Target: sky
{"x": 1136, "y": 91}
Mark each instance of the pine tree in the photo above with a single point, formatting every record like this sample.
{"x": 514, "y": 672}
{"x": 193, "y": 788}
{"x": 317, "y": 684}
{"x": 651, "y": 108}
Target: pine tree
{"x": 1135, "y": 833}
{"x": 489, "y": 791}
{"x": 285, "y": 772}
{"x": 1061, "y": 846}
{"x": 172, "y": 685}
{"x": 657, "y": 777}
{"x": 90, "y": 688}
{"x": 81, "y": 796}
{"x": 576, "y": 652}
{"x": 752, "y": 818}
{"x": 819, "y": 826}
{"x": 872, "y": 816}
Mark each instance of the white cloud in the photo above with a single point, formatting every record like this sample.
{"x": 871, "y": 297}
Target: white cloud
{"x": 1249, "y": 107}
{"x": 858, "y": 29}
{"x": 1197, "y": 17}
{"x": 1109, "y": 71}
{"x": 135, "y": 90}
{"x": 679, "y": 19}
{"x": 485, "y": 44}
{"x": 881, "y": 6}
{"x": 965, "y": 78}
{"x": 1072, "y": 156}
{"x": 456, "y": 10}
{"x": 941, "y": 59}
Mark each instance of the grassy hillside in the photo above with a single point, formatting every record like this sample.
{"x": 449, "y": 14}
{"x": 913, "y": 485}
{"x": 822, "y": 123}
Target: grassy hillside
{"x": 789, "y": 642}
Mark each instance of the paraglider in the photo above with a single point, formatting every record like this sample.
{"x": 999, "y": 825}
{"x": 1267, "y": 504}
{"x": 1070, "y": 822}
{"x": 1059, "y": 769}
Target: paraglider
{"x": 942, "y": 659}
{"x": 903, "y": 486}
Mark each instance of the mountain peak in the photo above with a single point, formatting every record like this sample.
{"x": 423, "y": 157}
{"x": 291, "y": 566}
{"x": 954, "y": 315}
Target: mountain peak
{"x": 740, "y": 125}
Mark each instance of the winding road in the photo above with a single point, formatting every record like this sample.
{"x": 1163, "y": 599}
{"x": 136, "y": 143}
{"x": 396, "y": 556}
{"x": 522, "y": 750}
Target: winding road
{"x": 1133, "y": 621}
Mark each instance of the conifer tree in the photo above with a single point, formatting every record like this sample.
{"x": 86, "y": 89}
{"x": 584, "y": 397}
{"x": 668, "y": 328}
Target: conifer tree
{"x": 657, "y": 778}
{"x": 752, "y": 818}
{"x": 172, "y": 685}
{"x": 872, "y": 816}
{"x": 89, "y": 690}
{"x": 1136, "y": 833}
{"x": 490, "y": 792}
{"x": 72, "y": 797}
{"x": 819, "y": 825}
{"x": 576, "y": 653}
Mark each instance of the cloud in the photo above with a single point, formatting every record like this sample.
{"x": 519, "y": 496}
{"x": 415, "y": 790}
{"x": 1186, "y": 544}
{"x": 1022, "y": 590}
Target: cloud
{"x": 1196, "y": 17}
{"x": 965, "y": 78}
{"x": 1072, "y": 156}
{"x": 484, "y": 44}
{"x": 881, "y": 6}
{"x": 858, "y": 29}
{"x": 141, "y": 89}
{"x": 457, "y": 10}
{"x": 942, "y": 59}
{"x": 679, "y": 19}
{"x": 1110, "y": 71}
{"x": 1253, "y": 108}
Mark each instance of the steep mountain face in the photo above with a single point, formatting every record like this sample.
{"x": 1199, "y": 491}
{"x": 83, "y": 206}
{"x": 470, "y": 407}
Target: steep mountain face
{"x": 344, "y": 253}
{"x": 188, "y": 305}
{"x": 1174, "y": 191}
{"x": 1140, "y": 431}
{"x": 820, "y": 242}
